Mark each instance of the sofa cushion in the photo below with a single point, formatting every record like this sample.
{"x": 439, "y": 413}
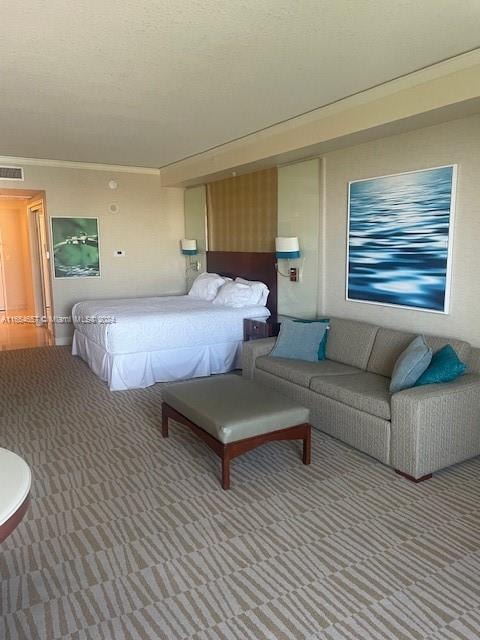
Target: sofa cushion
{"x": 473, "y": 362}
{"x": 299, "y": 371}
{"x": 444, "y": 367}
{"x": 350, "y": 342}
{"x": 461, "y": 348}
{"x": 410, "y": 364}
{"x": 299, "y": 340}
{"x": 365, "y": 391}
{"x": 390, "y": 343}
{"x": 322, "y": 347}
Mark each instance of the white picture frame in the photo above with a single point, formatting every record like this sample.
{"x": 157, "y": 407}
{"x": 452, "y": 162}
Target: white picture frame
{"x": 400, "y": 239}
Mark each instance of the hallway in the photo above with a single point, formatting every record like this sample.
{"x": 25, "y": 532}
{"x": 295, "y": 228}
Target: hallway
{"x": 25, "y": 287}
{"x": 23, "y": 336}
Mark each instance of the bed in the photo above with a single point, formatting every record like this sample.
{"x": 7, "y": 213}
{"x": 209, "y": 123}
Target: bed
{"x": 165, "y": 338}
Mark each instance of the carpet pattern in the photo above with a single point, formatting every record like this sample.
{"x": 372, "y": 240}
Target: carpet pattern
{"x": 130, "y": 536}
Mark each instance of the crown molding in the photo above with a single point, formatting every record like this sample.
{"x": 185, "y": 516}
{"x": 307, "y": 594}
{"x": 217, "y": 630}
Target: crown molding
{"x": 68, "y": 164}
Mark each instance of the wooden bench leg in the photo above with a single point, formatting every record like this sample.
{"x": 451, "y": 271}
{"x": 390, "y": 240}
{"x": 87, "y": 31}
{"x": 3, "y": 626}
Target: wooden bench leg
{"x": 164, "y": 420}
{"x": 226, "y": 468}
{"x": 307, "y": 446}
{"x": 227, "y": 452}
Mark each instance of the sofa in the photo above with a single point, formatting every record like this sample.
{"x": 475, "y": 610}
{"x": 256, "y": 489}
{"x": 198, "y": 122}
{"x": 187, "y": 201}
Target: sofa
{"x": 416, "y": 431}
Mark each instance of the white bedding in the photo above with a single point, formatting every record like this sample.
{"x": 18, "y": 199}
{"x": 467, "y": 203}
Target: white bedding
{"x": 169, "y": 322}
{"x": 158, "y": 339}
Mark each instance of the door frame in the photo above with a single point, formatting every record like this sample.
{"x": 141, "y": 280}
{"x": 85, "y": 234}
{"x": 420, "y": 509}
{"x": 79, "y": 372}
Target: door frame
{"x": 2, "y": 278}
{"x": 41, "y": 258}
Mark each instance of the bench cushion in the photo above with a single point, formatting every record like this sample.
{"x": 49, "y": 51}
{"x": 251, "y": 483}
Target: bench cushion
{"x": 302, "y": 372}
{"x": 365, "y": 391}
{"x": 231, "y": 408}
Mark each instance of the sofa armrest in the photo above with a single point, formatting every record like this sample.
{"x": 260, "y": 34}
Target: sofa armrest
{"x": 435, "y": 426}
{"x": 252, "y": 350}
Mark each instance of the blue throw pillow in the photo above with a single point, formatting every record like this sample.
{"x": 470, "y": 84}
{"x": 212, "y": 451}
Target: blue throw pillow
{"x": 410, "y": 365}
{"x": 322, "y": 349}
{"x": 444, "y": 367}
{"x": 299, "y": 340}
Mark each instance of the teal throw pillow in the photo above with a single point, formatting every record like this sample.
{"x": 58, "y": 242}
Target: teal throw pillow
{"x": 444, "y": 367}
{"x": 410, "y": 365}
{"x": 322, "y": 349}
{"x": 299, "y": 340}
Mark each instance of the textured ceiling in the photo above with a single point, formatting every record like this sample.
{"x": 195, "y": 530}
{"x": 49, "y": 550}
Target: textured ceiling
{"x": 148, "y": 82}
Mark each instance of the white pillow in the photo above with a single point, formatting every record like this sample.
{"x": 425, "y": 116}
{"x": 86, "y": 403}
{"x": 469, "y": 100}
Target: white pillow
{"x": 260, "y": 289}
{"x": 206, "y": 286}
{"x": 235, "y": 294}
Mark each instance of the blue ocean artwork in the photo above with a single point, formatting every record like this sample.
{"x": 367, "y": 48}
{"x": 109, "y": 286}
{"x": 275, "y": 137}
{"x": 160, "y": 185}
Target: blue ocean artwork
{"x": 398, "y": 241}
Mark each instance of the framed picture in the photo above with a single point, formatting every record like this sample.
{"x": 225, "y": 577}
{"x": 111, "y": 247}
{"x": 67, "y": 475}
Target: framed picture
{"x": 75, "y": 247}
{"x": 399, "y": 245}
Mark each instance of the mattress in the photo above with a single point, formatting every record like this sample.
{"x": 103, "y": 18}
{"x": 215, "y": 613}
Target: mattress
{"x": 131, "y": 325}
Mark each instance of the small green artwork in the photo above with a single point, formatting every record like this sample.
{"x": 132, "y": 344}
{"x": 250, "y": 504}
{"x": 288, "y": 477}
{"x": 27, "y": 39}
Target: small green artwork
{"x": 75, "y": 247}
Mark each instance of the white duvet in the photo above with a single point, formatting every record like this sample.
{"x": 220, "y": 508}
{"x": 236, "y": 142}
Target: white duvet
{"x": 156, "y": 324}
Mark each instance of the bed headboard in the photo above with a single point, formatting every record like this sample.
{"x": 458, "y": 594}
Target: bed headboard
{"x": 248, "y": 265}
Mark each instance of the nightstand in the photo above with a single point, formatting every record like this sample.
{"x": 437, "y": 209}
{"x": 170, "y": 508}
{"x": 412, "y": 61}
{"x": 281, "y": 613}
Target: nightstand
{"x": 254, "y": 328}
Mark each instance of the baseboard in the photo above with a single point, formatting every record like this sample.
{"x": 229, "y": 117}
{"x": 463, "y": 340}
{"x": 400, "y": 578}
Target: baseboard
{"x": 63, "y": 342}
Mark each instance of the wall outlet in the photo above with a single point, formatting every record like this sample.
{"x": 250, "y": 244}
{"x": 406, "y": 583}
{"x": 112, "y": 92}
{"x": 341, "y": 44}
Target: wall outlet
{"x": 119, "y": 253}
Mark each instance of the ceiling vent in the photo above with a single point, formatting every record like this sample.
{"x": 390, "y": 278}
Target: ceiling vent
{"x": 11, "y": 173}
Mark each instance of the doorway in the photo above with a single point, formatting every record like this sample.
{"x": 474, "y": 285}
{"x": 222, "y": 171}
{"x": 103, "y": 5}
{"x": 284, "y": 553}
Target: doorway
{"x": 26, "y": 312}
{"x": 3, "y": 293}
{"x": 40, "y": 262}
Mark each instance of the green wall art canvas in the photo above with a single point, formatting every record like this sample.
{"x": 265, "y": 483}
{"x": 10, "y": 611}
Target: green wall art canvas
{"x": 75, "y": 247}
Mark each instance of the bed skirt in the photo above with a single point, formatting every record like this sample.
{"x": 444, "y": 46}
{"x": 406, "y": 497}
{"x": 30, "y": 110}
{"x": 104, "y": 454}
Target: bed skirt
{"x": 139, "y": 370}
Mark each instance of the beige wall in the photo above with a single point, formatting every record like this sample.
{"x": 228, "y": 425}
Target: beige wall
{"x": 454, "y": 142}
{"x": 16, "y": 256}
{"x": 148, "y": 227}
{"x": 312, "y": 204}
{"x": 299, "y": 215}
{"x": 195, "y": 228}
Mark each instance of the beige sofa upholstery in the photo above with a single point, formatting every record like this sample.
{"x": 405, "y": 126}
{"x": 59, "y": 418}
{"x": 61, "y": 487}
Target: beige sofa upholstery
{"x": 417, "y": 431}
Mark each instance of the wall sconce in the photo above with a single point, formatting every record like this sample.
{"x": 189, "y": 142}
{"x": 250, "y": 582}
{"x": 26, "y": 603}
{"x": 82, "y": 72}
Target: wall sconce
{"x": 288, "y": 249}
{"x": 189, "y": 249}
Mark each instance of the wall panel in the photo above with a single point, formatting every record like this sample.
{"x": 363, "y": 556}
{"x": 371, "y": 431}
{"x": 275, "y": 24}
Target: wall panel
{"x": 242, "y": 212}
{"x": 455, "y": 142}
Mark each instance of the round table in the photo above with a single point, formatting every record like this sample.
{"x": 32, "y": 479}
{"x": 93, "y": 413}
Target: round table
{"x": 15, "y": 480}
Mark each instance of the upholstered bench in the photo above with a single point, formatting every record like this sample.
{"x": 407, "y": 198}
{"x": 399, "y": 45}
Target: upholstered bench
{"x": 234, "y": 415}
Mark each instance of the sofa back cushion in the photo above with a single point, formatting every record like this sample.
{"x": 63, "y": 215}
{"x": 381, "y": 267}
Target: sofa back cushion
{"x": 389, "y": 344}
{"x": 473, "y": 362}
{"x": 350, "y": 342}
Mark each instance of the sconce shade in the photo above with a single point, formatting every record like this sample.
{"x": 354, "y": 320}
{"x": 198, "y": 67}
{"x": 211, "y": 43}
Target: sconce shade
{"x": 189, "y": 247}
{"x": 287, "y": 248}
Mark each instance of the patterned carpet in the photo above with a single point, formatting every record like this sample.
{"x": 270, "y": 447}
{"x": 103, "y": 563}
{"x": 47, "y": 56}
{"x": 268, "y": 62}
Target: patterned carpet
{"x": 130, "y": 537}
